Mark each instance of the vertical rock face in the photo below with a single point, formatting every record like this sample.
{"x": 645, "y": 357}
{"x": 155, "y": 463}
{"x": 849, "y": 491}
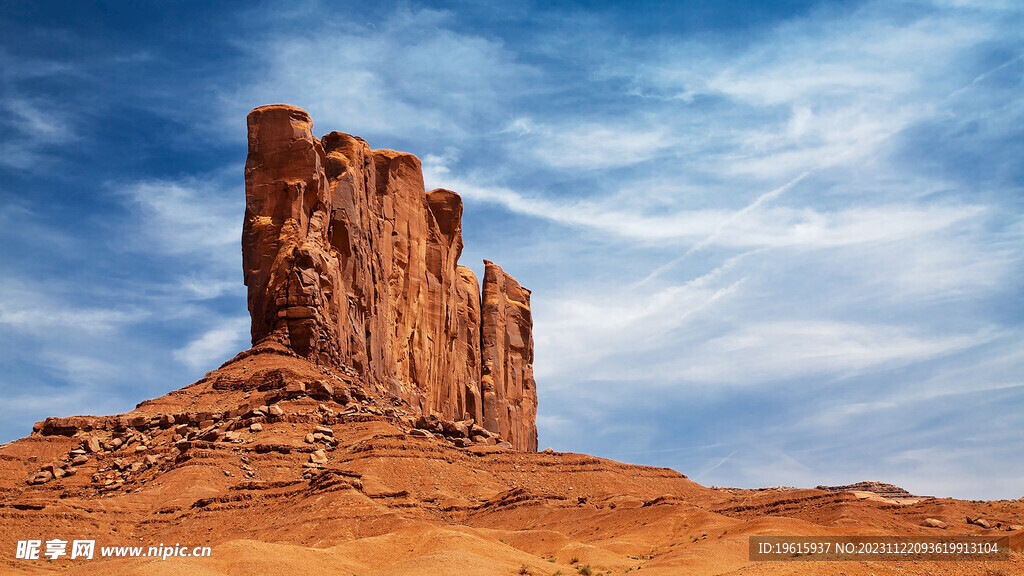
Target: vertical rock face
{"x": 290, "y": 273}
{"x": 350, "y": 263}
{"x": 509, "y": 392}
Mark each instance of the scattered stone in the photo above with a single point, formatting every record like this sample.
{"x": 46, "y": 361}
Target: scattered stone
{"x": 70, "y": 471}
{"x": 78, "y": 451}
{"x": 324, "y": 430}
{"x": 295, "y": 388}
{"x": 79, "y": 460}
{"x": 420, "y": 433}
{"x": 341, "y": 396}
{"x": 92, "y": 444}
{"x": 549, "y": 451}
{"x": 428, "y": 422}
{"x": 979, "y": 522}
{"x": 504, "y": 445}
{"x": 58, "y": 473}
{"x": 256, "y": 427}
{"x": 141, "y": 448}
{"x": 310, "y": 439}
{"x": 232, "y": 436}
{"x": 1014, "y": 527}
{"x": 462, "y": 442}
{"x": 933, "y": 523}
{"x": 275, "y": 410}
{"x": 152, "y": 459}
{"x": 318, "y": 457}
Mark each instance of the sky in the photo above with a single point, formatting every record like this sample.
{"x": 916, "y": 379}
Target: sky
{"x": 769, "y": 243}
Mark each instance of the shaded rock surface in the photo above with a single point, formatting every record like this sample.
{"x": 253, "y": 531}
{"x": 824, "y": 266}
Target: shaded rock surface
{"x": 350, "y": 263}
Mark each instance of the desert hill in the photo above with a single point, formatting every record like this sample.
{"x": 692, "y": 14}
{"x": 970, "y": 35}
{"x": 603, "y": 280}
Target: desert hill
{"x": 383, "y": 423}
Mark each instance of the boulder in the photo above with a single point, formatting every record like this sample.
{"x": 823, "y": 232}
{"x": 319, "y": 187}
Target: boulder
{"x": 979, "y": 522}
{"x": 92, "y": 444}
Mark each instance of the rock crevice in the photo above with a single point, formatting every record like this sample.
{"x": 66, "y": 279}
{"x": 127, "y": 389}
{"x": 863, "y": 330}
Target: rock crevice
{"x": 350, "y": 262}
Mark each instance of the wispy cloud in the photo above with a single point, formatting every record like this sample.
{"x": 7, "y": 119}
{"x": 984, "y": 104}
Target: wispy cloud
{"x": 197, "y": 221}
{"x": 215, "y": 345}
{"x": 32, "y": 129}
{"x": 408, "y": 73}
{"x": 29, "y": 309}
{"x": 755, "y": 353}
{"x": 187, "y": 216}
{"x": 752, "y": 226}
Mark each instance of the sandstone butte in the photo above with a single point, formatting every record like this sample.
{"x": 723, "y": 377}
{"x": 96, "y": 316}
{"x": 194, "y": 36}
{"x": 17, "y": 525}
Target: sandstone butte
{"x": 350, "y": 264}
{"x": 383, "y": 423}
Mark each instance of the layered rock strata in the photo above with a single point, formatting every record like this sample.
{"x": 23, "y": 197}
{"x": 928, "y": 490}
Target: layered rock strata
{"x": 349, "y": 262}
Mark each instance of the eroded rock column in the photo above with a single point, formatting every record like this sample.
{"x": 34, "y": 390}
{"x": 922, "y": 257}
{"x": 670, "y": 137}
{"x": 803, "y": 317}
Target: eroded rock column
{"x": 290, "y": 272}
{"x": 508, "y": 389}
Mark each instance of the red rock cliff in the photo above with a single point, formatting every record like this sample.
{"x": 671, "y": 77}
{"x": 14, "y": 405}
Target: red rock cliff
{"x": 350, "y": 263}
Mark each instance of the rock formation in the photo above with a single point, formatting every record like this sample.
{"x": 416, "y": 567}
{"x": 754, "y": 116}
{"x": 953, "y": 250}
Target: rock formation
{"x": 882, "y": 489}
{"x": 350, "y": 263}
{"x": 509, "y": 392}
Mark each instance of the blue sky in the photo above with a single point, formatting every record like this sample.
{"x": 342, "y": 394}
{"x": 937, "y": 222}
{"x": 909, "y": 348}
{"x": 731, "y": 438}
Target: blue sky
{"x": 768, "y": 243}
